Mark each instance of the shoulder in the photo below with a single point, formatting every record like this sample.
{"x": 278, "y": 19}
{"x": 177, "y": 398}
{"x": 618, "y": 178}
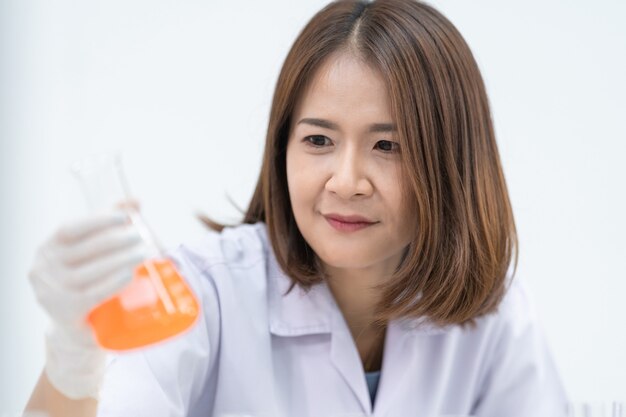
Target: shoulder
{"x": 513, "y": 325}
{"x": 520, "y": 368}
{"x": 237, "y": 246}
{"x": 220, "y": 265}
{"x": 176, "y": 372}
{"x": 516, "y": 313}
{"x": 229, "y": 271}
{"x": 513, "y": 321}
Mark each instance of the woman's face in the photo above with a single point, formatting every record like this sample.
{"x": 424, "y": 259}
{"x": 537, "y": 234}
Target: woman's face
{"x": 343, "y": 160}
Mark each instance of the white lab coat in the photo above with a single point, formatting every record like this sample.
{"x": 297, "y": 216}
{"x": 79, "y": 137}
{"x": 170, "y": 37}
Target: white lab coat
{"x": 255, "y": 352}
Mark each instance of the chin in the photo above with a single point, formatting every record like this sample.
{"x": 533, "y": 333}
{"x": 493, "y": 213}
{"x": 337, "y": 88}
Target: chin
{"x": 345, "y": 261}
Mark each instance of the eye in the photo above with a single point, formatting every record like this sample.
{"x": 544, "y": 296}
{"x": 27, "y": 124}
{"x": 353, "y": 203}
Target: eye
{"x": 317, "y": 141}
{"x": 388, "y": 146}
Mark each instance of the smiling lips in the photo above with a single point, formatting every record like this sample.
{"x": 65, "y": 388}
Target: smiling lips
{"x": 348, "y": 223}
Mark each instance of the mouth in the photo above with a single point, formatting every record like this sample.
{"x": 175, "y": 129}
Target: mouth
{"x": 350, "y": 223}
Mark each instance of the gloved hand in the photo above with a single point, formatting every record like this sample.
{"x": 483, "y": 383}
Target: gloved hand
{"x": 84, "y": 263}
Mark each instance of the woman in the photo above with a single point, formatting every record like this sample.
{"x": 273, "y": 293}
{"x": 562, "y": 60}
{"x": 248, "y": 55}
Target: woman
{"x": 372, "y": 274}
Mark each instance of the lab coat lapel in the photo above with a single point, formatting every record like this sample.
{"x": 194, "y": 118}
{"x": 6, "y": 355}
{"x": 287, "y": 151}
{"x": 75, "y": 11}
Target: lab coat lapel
{"x": 345, "y": 357}
{"x": 296, "y": 312}
{"x": 401, "y": 358}
{"x": 302, "y": 312}
{"x": 395, "y": 367}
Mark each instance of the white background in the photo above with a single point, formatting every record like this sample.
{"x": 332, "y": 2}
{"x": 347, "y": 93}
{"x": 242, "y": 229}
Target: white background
{"x": 184, "y": 88}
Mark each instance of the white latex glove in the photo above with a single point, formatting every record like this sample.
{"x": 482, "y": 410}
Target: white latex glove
{"x": 84, "y": 263}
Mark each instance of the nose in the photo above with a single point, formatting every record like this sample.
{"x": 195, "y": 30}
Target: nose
{"x": 349, "y": 176}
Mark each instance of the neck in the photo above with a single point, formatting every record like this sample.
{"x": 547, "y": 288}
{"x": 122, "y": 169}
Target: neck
{"x": 356, "y": 293}
{"x": 357, "y": 297}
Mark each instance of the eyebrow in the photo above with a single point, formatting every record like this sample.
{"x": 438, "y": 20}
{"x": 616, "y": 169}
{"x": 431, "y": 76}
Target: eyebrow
{"x": 327, "y": 124}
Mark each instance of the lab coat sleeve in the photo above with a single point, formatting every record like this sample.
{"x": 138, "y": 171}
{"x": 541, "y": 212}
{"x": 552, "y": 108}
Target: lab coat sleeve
{"x": 522, "y": 380}
{"x": 171, "y": 379}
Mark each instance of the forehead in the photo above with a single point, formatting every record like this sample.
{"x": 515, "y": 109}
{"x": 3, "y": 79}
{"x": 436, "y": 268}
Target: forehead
{"x": 344, "y": 81}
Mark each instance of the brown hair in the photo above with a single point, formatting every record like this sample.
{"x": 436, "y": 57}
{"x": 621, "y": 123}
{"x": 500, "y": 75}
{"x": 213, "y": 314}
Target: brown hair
{"x": 456, "y": 268}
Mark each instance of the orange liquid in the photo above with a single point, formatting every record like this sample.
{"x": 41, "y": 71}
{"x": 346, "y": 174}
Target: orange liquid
{"x": 155, "y": 306}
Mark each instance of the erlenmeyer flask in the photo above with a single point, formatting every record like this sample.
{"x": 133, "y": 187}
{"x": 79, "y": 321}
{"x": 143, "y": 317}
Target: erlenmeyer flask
{"x": 158, "y": 303}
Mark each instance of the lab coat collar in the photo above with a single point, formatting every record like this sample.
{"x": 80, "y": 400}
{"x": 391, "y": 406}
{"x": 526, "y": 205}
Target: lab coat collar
{"x": 298, "y": 312}
{"x": 315, "y": 312}
{"x": 301, "y": 312}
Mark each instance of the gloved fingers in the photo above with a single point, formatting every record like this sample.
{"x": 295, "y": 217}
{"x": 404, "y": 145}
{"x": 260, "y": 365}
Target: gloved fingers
{"x": 88, "y": 274}
{"x": 76, "y": 304}
{"x": 98, "y": 245}
{"x": 69, "y": 305}
{"x": 63, "y": 305}
{"x": 68, "y": 294}
{"x": 107, "y": 288}
{"x": 77, "y": 230}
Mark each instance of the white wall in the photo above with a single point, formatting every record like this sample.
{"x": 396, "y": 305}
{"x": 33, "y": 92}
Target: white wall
{"x": 184, "y": 88}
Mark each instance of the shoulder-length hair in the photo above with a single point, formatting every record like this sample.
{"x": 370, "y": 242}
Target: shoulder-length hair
{"x": 456, "y": 269}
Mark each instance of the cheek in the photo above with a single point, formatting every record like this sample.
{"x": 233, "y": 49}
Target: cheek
{"x": 300, "y": 181}
{"x": 399, "y": 214}
{"x": 292, "y": 171}
{"x": 303, "y": 178}
{"x": 390, "y": 187}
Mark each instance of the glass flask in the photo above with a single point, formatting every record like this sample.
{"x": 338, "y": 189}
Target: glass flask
{"x": 157, "y": 304}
